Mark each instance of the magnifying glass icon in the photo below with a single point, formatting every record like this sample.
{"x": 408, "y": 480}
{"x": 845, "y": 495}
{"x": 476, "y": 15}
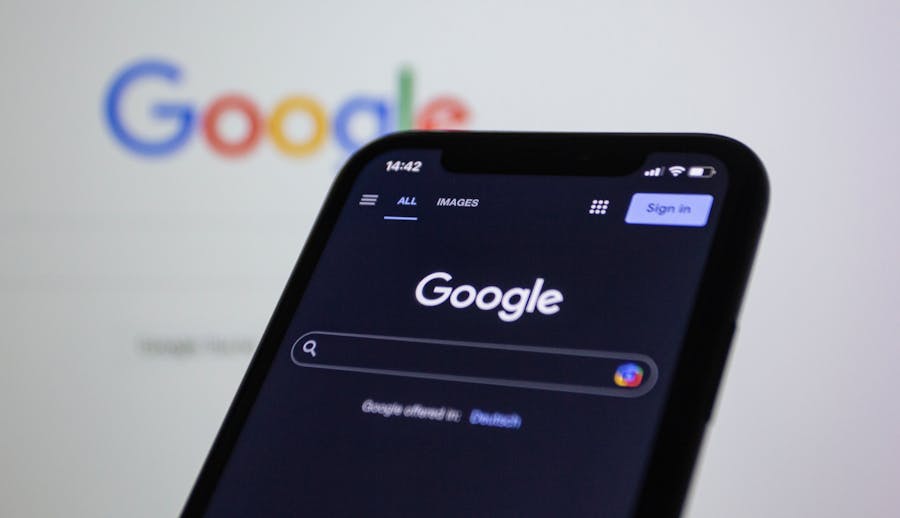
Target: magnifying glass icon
{"x": 309, "y": 347}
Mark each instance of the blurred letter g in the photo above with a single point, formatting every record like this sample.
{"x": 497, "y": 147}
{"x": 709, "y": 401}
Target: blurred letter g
{"x": 179, "y": 112}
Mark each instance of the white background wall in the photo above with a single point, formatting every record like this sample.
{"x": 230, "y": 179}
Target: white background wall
{"x": 103, "y": 252}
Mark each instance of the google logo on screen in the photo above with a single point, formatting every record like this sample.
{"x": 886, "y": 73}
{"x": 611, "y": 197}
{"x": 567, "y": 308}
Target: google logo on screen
{"x": 184, "y": 118}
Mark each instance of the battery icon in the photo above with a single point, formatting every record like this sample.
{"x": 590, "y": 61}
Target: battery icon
{"x": 704, "y": 171}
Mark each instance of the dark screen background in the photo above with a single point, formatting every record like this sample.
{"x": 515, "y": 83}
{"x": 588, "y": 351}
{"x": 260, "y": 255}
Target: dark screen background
{"x": 308, "y": 449}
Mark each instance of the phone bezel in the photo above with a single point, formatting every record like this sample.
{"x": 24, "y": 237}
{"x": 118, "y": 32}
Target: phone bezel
{"x": 707, "y": 341}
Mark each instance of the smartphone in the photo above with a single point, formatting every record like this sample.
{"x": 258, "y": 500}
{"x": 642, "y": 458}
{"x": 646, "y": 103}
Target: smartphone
{"x": 497, "y": 324}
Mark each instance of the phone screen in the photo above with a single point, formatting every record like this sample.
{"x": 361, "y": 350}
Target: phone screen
{"x": 480, "y": 344}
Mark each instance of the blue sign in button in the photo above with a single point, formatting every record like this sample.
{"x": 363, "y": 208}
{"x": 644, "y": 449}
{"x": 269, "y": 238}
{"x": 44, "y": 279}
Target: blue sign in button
{"x": 680, "y": 210}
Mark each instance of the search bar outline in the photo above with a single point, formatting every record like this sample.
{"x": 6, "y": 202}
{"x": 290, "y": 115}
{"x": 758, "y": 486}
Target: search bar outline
{"x": 645, "y": 387}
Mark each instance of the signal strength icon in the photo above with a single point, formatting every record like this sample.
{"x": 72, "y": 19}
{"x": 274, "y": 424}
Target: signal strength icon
{"x": 677, "y": 170}
{"x": 656, "y": 171}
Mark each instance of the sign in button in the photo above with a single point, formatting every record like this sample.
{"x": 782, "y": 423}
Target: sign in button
{"x": 680, "y": 210}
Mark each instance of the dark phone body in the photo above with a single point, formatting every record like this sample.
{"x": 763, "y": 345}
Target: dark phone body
{"x": 696, "y": 375}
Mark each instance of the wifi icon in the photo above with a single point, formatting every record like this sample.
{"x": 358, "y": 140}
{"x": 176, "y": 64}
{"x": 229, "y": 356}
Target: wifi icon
{"x": 677, "y": 170}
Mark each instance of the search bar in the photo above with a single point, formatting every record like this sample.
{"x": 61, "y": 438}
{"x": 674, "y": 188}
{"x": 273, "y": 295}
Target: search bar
{"x": 581, "y": 371}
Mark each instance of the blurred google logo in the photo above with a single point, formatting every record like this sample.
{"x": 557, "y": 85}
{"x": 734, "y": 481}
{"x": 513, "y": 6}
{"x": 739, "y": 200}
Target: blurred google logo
{"x": 179, "y": 120}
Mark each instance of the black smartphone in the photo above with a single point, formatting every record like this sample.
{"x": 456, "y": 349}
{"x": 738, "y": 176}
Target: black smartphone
{"x": 497, "y": 324}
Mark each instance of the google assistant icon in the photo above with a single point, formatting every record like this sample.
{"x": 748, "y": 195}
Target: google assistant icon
{"x": 629, "y": 375}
